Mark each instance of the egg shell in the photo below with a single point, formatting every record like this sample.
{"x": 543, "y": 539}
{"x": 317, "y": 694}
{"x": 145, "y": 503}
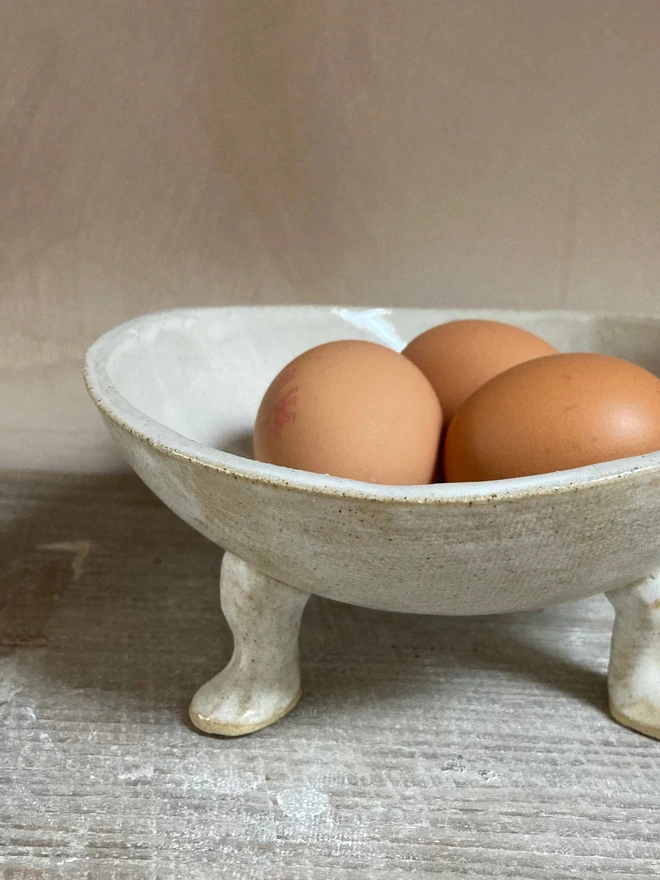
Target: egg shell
{"x": 351, "y": 409}
{"x": 554, "y": 413}
{"x": 460, "y": 356}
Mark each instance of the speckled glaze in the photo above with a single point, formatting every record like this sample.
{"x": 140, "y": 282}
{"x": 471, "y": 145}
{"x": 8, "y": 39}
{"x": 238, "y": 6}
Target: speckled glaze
{"x": 261, "y": 683}
{"x": 179, "y": 391}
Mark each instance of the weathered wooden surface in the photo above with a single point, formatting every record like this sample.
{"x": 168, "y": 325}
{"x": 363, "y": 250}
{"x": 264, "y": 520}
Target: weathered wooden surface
{"x": 459, "y": 748}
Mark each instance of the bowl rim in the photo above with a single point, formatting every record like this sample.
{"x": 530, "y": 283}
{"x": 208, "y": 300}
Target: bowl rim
{"x": 170, "y": 442}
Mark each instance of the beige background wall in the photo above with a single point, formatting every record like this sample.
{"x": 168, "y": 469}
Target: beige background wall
{"x": 173, "y": 152}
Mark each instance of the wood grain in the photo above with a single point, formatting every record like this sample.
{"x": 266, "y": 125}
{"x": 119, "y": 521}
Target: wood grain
{"x": 445, "y": 152}
{"x": 458, "y": 748}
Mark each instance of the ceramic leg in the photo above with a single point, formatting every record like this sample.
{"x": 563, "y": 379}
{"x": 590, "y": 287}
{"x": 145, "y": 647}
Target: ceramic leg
{"x": 634, "y": 673}
{"x": 261, "y": 683}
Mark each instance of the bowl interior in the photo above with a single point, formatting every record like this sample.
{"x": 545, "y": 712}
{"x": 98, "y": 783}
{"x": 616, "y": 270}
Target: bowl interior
{"x": 202, "y": 373}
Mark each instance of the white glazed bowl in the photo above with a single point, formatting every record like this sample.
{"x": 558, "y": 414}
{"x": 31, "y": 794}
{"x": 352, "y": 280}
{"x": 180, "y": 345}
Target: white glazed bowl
{"x": 179, "y": 391}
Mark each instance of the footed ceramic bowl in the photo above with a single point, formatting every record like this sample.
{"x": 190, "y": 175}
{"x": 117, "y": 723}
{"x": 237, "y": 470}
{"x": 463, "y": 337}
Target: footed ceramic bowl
{"x": 179, "y": 392}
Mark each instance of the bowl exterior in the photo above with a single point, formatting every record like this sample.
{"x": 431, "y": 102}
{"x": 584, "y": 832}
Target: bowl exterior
{"x": 500, "y": 554}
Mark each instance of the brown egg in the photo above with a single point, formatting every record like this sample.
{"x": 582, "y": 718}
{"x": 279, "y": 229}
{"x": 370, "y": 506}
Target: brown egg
{"x": 351, "y": 409}
{"x": 551, "y": 414}
{"x": 460, "y": 356}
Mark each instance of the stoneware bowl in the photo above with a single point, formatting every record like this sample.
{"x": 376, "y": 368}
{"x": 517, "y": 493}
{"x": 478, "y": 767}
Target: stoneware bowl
{"x": 179, "y": 392}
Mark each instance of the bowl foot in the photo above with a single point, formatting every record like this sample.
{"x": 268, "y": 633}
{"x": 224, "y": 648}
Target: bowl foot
{"x": 634, "y": 673}
{"x": 261, "y": 682}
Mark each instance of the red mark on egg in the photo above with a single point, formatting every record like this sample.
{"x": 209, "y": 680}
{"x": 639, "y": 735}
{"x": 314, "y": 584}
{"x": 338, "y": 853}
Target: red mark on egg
{"x": 284, "y": 411}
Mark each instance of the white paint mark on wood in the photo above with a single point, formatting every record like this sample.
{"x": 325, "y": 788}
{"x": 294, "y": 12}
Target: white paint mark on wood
{"x": 80, "y": 550}
{"x": 142, "y": 773}
{"x": 303, "y": 804}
